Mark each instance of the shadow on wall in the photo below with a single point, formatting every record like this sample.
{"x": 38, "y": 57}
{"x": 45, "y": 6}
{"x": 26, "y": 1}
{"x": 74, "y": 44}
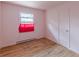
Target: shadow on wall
{"x": 52, "y": 33}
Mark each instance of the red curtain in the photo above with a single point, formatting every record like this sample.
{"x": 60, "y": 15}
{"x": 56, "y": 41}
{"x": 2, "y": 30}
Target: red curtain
{"x": 26, "y": 27}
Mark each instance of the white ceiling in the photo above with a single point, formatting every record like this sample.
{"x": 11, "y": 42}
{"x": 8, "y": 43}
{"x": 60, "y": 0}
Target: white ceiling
{"x": 44, "y": 5}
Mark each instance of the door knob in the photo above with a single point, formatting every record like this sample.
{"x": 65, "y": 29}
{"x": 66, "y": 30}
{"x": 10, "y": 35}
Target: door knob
{"x": 67, "y": 30}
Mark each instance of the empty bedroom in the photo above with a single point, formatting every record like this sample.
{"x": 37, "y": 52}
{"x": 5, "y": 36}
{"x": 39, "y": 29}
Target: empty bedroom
{"x": 39, "y": 28}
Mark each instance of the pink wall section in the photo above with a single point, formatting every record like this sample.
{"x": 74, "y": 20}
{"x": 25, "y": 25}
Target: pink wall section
{"x": 0, "y": 23}
{"x": 1, "y": 33}
{"x": 11, "y": 23}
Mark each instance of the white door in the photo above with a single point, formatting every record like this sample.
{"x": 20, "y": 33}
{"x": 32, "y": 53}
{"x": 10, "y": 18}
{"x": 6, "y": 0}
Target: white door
{"x": 74, "y": 33}
{"x": 64, "y": 26}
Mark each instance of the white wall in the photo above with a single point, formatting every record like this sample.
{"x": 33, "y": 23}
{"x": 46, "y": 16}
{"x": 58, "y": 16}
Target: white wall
{"x": 52, "y": 24}
{"x": 11, "y": 23}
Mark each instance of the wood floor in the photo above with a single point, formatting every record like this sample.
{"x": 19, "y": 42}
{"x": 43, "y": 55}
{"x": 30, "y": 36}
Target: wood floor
{"x": 37, "y": 48}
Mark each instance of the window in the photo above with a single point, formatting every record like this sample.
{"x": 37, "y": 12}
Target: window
{"x": 26, "y": 22}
